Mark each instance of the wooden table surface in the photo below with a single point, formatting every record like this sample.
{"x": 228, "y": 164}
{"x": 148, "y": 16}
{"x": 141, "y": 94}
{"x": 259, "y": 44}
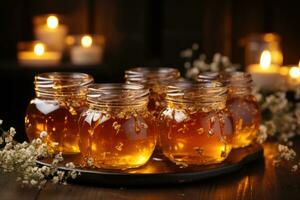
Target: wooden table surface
{"x": 259, "y": 180}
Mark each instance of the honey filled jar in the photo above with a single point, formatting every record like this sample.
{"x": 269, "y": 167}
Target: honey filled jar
{"x": 116, "y": 131}
{"x": 156, "y": 79}
{"x": 196, "y": 127}
{"x": 243, "y": 107}
{"x": 60, "y": 99}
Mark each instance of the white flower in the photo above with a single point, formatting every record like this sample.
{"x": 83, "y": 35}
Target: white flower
{"x": 286, "y": 153}
{"x": 33, "y": 182}
{"x": 55, "y": 179}
{"x": 12, "y": 131}
{"x": 8, "y": 139}
{"x": 73, "y": 174}
{"x": 70, "y": 165}
{"x": 262, "y": 134}
{"x": 1, "y": 122}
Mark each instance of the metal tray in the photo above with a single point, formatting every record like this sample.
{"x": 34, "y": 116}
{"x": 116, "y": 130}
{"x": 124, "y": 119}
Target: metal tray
{"x": 163, "y": 172}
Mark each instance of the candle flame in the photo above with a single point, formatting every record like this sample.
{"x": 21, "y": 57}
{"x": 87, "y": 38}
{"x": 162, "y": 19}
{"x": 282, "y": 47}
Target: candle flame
{"x": 86, "y": 41}
{"x": 52, "y": 22}
{"x": 294, "y": 72}
{"x": 265, "y": 59}
{"x": 39, "y": 49}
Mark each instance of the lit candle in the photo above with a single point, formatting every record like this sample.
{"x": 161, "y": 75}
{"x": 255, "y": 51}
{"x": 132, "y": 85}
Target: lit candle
{"x": 265, "y": 74}
{"x": 293, "y": 77}
{"x": 51, "y": 32}
{"x": 38, "y": 56}
{"x": 86, "y": 53}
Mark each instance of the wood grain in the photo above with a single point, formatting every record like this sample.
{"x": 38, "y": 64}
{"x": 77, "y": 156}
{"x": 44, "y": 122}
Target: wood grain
{"x": 11, "y": 190}
{"x": 259, "y": 180}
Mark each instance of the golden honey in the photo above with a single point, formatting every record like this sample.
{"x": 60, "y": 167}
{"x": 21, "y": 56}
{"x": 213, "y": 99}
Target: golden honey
{"x": 156, "y": 80}
{"x": 243, "y": 108}
{"x": 117, "y": 130}
{"x": 196, "y": 127}
{"x": 60, "y": 99}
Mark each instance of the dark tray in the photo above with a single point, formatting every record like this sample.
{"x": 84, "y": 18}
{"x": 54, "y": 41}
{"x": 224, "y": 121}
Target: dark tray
{"x": 162, "y": 171}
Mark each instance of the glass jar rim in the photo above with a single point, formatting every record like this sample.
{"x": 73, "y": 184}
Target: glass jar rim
{"x": 208, "y": 76}
{"x": 237, "y": 79}
{"x": 146, "y": 74}
{"x": 61, "y": 83}
{"x": 196, "y": 92}
{"x": 117, "y": 94}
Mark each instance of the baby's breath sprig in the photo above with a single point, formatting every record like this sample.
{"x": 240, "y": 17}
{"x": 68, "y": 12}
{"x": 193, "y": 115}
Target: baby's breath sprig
{"x": 194, "y": 63}
{"x": 21, "y": 159}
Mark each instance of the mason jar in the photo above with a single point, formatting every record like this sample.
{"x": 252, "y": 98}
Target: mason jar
{"x": 156, "y": 79}
{"x": 196, "y": 127}
{"x": 116, "y": 131}
{"x": 60, "y": 99}
{"x": 243, "y": 107}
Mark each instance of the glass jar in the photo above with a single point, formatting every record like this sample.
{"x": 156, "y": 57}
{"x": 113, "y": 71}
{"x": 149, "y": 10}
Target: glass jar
{"x": 60, "y": 99}
{"x": 243, "y": 107}
{"x": 156, "y": 79}
{"x": 196, "y": 127}
{"x": 116, "y": 131}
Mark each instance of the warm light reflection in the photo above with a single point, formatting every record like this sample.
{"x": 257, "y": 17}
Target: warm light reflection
{"x": 52, "y": 22}
{"x": 294, "y": 72}
{"x": 39, "y": 49}
{"x": 86, "y": 41}
{"x": 265, "y": 59}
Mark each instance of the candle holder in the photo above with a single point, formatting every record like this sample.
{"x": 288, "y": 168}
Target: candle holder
{"x": 50, "y": 29}
{"x": 36, "y": 53}
{"x": 256, "y": 44}
{"x": 292, "y": 74}
{"x": 86, "y": 49}
{"x": 263, "y": 58}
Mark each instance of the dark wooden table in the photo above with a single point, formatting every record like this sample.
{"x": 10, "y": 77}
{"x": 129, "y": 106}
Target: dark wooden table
{"x": 259, "y": 180}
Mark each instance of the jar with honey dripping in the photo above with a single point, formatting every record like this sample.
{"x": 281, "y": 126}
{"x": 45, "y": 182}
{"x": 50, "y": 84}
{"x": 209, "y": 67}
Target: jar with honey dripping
{"x": 241, "y": 104}
{"x": 243, "y": 107}
{"x": 116, "y": 131}
{"x": 60, "y": 99}
{"x": 196, "y": 127}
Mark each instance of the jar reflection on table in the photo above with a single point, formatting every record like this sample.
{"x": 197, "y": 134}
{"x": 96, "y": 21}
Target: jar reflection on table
{"x": 60, "y": 98}
{"x": 243, "y": 108}
{"x": 196, "y": 127}
{"x": 116, "y": 131}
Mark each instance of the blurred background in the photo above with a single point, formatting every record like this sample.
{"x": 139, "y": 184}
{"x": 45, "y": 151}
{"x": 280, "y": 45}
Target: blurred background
{"x": 136, "y": 33}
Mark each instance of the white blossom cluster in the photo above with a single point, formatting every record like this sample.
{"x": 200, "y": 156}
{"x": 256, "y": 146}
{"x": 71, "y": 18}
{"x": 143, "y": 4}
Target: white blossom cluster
{"x": 281, "y": 116}
{"x": 21, "y": 159}
{"x": 195, "y": 63}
